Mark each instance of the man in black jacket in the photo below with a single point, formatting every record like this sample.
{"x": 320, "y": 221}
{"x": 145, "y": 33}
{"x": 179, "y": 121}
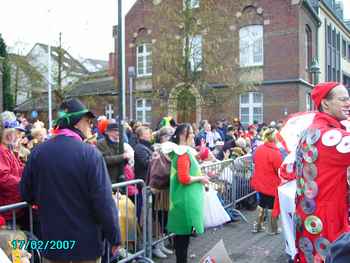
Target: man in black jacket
{"x": 69, "y": 182}
{"x": 109, "y": 147}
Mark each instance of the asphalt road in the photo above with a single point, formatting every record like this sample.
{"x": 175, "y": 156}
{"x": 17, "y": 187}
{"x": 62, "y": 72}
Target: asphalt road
{"x": 242, "y": 245}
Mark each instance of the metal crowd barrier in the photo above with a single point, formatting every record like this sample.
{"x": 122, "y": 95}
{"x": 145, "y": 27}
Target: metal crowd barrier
{"x": 14, "y": 208}
{"x": 231, "y": 179}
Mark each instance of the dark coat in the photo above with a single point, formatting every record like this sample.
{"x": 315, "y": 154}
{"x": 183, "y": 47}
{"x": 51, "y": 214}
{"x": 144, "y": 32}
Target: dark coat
{"x": 114, "y": 160}
{"x": 69, "y": 182}
{"x": 143, "y": 154}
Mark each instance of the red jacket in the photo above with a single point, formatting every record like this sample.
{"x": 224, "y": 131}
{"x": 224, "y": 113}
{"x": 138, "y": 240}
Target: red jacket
{"x": 267, "y": 160}
{"x": 10, "y": 175}
{"x": 331, "y": 200}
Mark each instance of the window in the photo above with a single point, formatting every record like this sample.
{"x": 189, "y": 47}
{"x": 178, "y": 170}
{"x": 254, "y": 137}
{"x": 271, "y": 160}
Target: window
{"x": 251, "y": 46}
{"x": 195, "y": 52}
{"x": 349, "y": 52}
{"x": 191, "y": 4}
{"x": 144, "y": 60}
{"x": 332, "y": 54}
{"x": 308, "y": 47}
{"x": 344, "y": 46}
{"x": 251, "y": 108}
{"x": 144, "y": 110}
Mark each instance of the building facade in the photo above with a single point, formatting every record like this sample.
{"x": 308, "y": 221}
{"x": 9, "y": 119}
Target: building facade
{"x": 333, "y": 43}
{"x": 265, "y": 50}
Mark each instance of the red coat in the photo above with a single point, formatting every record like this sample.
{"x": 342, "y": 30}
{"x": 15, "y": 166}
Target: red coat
{"x": 267, "y": 160}
{"x": 331, "y": 200}
{"x": 10, "y": 175}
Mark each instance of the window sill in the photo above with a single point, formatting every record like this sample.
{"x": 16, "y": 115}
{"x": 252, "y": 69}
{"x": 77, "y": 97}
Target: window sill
{"x": 144, "y": 77}
{"x": 251, "y": 67}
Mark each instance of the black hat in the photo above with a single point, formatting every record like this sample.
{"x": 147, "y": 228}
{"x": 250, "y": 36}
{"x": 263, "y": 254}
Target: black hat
{"x": 70, "y": 113}
{"x": 339, "y": 251}
{"x": 112, "y": 126}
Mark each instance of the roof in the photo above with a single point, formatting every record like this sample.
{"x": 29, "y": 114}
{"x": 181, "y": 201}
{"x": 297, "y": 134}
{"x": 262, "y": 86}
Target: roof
{"x": 39, "y": 103}
{"x": 98, "y": 86}
{"x": 101, "y": 86}
{"x": 94, "y": 65}
{"x": 68, "y": 61}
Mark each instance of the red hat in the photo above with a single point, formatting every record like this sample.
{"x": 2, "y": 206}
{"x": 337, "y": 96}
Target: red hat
{"x": 321, "y": 90}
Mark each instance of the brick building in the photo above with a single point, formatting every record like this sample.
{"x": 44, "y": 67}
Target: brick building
{"x": 280, "y": 38}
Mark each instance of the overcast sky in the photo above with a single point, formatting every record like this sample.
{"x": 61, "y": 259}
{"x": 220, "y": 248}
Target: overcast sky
{"x": 86, "y": 25}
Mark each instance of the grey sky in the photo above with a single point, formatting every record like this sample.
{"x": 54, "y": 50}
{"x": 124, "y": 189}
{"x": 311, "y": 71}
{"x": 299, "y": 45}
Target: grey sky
{"x": 86, "y": 24}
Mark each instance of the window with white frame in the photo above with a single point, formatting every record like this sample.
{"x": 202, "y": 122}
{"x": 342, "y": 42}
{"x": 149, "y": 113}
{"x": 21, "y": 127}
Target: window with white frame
{"x": 144, "y": 110}
{"x": 251, "y": 108}
{"x": 194, "y": 52}
{"x": 144, "y": 60}
{"x": 191, "y": 4}
{"x": 251, "y": 46}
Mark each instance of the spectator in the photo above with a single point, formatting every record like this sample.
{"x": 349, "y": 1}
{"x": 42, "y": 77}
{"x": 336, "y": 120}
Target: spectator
{"x": 109, "y": 147}
{"x": 212, "y": 136}
{"x": 230, "y": 134}
{"x": 73, "y": 192}
{"x": 265, "y": 180}
{"x": 10, "y": 165}
{"x": 186, "y": 193}
{"x": 143, "y": 152}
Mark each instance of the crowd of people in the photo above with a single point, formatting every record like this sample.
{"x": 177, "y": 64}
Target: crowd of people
{"x": 66, "y": 174}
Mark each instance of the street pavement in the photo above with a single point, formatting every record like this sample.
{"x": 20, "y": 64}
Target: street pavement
{"x": 241, "y": 245}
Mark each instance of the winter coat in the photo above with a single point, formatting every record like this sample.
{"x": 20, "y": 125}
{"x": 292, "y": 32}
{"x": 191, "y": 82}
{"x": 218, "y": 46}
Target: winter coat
{"x": 68, "y": 180}
{"x": 114, "y": 160}
{"x": 10, "y": 175}
{"x": 143, "y": 154}
{"x": 267, "y": 161}
{"x": 331, "y": 196}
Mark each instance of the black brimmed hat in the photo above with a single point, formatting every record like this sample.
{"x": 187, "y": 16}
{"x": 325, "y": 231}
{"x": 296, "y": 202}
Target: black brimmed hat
{"x": 70, "y": 113}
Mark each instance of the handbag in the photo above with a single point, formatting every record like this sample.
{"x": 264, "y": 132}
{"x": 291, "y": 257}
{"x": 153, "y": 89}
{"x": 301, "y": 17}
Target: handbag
{"x": 159, "y": 171}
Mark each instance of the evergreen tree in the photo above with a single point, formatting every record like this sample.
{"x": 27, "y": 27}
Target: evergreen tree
{"x": 8, "y": 101}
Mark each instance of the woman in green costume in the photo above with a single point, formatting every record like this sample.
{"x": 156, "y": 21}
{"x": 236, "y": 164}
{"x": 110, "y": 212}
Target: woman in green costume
{"x": 185, "y": 216}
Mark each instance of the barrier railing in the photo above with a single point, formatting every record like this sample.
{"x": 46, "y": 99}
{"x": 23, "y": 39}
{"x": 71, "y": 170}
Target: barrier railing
{"x": 143, "y": 211}
{"x": 231, "y": 178}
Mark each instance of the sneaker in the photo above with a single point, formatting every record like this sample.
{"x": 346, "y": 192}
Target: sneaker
{"x": 165, "y": 250}
{"x": 158, "y": 253}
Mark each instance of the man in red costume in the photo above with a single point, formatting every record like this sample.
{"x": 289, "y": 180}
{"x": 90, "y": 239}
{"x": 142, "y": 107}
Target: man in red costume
{"x": 322, "y": 161}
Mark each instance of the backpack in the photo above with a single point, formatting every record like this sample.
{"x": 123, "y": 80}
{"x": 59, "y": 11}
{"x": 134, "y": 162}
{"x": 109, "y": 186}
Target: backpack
{"x": 159, "y": 171}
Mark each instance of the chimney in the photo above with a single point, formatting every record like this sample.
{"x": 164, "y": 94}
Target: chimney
{"x": 111, "y": 64}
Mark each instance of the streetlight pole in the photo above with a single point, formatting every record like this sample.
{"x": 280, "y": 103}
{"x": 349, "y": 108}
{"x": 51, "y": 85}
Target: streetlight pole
{"x": 131, "y": 75}
{"x": 49, "y": 75}
{"x": 120, "y": 78}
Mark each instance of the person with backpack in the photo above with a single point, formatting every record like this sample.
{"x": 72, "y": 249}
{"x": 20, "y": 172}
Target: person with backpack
{"x": 158, "y": 179}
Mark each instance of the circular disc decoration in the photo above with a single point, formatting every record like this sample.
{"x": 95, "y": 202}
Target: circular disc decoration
{"x": 311, "y": 189}
{"x": 331, "y": 137}
{"x": 308, "y": 206}
{"x": 344, "y": 145}
{"x": 309, "y": 257}
{"x": 298, "y": 223}
{"x": 300, "y": 186}
{"x": 299, "y": 169}
{"x": 305, "y": 245}
{"x": 310, "y": 153}
{"x": 309, "y": 171}
{"x": 312, "y": 135}
{"x": 322, "y": 246}
{"x": 313, "y": 225}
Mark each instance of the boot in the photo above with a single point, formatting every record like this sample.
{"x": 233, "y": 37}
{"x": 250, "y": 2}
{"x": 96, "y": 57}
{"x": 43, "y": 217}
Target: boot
{"x": 157, "y": 252}
{"x": 272, "y": 224}
{"x": 165, "y": 250}
{"x": 258, "y": 225}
